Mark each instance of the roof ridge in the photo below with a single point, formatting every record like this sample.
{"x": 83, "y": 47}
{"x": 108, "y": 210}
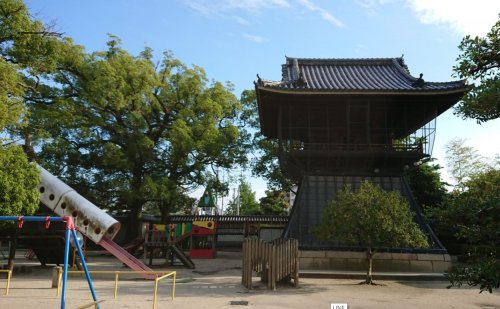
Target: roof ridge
{"x": 289, "y": 60}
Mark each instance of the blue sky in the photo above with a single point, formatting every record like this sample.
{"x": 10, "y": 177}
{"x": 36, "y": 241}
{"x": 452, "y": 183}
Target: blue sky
{"x": 233, "y": 40}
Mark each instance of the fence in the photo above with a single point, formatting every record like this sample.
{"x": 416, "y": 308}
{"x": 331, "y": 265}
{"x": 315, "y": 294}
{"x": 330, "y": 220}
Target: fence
{"x": 117, "y": 273}
{"x": 275, "y": 261}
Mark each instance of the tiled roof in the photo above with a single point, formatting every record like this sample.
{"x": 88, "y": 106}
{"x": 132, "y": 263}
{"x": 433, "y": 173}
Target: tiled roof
{"x": 354, "y": 75}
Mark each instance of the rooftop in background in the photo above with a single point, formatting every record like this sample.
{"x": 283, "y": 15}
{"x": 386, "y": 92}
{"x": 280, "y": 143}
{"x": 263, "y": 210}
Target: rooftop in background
{"x": 355, "y": 75}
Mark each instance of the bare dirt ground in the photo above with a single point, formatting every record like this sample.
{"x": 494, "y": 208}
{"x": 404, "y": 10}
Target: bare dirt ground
{"x": 217, "y": 284}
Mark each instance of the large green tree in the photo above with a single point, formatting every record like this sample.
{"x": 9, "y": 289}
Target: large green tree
{"x": 27, "y": 51}
{"x": 266, "y": 162}
{"x": 473, "y": 216}
{"x": 128, "y": 132}
{"x": 480, "y": 61}
{"x": 372, "y": 218}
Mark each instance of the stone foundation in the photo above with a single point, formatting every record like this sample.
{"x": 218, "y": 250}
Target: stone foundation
{"x": 383, "y": 261}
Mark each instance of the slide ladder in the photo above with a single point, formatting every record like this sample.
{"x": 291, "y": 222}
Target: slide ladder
{"x": 186, "y": 260}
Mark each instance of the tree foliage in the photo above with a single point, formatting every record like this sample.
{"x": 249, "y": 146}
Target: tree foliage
{"x": 265, "y": 163}
{"x": 128, "y": 133}
{"x": 469, "y": 217}
{"x": 125, "y": 131}
{"x": 372, "y": 218}
{"x": 484, "y": 272}
{"x": 18, "y": 182}
{"x": 268, "y": 166}
{"x": 473, "y": 215}
{"x": 274, "y": 203}
{"x": 244, "y": 203}
{"x": 480, "y": 61}
{"x": 463, "y": 161}
{"x": 426, "y": 185}
{"x": 28, "y": 50}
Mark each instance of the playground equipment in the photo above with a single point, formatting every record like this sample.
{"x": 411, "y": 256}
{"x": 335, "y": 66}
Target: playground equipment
{"x": 167, "y": 238}
{"x": 65, "y": 201}
{"x": 89, "y": 219}
{"x": 70, "y": 232}
{"x": 203, "y": 244}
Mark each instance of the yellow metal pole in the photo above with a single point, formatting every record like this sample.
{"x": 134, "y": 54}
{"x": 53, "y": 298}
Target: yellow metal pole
{"x": 154, "y": 295}
{"x": 117, "y": 273}
{"x": 59, "y": 278}
{"x": 94, "y": 303}
{"x": 173, "y": 287}
{"x": 116, "y": 283}
{"x": 9, "y": 275}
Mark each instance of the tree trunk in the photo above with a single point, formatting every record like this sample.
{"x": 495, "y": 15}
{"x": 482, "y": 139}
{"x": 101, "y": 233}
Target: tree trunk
{"x": 12, "y": 249}
{"x": 135, "y": 229}
{"x": 165, "y": 212}
{"x": 136, "y": 203}
{"x": 369, "y": 259}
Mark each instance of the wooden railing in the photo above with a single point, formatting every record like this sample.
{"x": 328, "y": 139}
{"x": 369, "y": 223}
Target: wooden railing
{"x": 275, "y": 261}
{"x": 410, "y": 147}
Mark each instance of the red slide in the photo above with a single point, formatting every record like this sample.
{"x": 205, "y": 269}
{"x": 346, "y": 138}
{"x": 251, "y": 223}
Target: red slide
{"x": 124, "y": 256}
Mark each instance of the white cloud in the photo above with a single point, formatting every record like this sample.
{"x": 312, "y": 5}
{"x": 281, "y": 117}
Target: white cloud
{"x": 219, "y": 8}
{"x": 255, "y": 38}
{"x": 465, "y": 17}
{"x": 368, "y": 4}
{"x": 215, "y": 7}
{"x": 325, "y": 14}
{"x": 240, "y": 20}
{"x": 461, "y": 16}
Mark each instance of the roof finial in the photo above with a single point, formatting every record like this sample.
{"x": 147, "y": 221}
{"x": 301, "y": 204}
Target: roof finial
{"x": 259, "y": 80}
{"x": 420, "y": 81}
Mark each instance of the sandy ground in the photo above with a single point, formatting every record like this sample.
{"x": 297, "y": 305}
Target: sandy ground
{"x": 217, "y": 284}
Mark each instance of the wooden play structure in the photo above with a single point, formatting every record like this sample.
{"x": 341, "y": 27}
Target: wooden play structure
{"x": 168, "y": 241}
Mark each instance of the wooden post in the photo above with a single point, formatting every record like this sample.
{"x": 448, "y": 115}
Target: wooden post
{"x": 276, "y": 261}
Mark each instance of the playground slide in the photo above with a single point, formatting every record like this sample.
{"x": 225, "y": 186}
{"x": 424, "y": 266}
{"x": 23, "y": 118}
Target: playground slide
{"x": 90, "y": 220}
{"x": 124, "y": 256}
{"x": 182, "y": 257}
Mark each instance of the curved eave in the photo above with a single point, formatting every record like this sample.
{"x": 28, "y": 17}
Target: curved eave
{"x": 453, "y": 96}
{"x": 418, "y": 92}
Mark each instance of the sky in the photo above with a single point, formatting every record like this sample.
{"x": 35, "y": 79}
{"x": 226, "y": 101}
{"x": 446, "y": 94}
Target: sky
{"x": 233, "y": 40}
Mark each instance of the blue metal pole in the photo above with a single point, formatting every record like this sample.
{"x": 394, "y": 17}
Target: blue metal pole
{"x": 65, "y": 273}
{"x": 84, "y": 264}
{"x": 29, "y": 218}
